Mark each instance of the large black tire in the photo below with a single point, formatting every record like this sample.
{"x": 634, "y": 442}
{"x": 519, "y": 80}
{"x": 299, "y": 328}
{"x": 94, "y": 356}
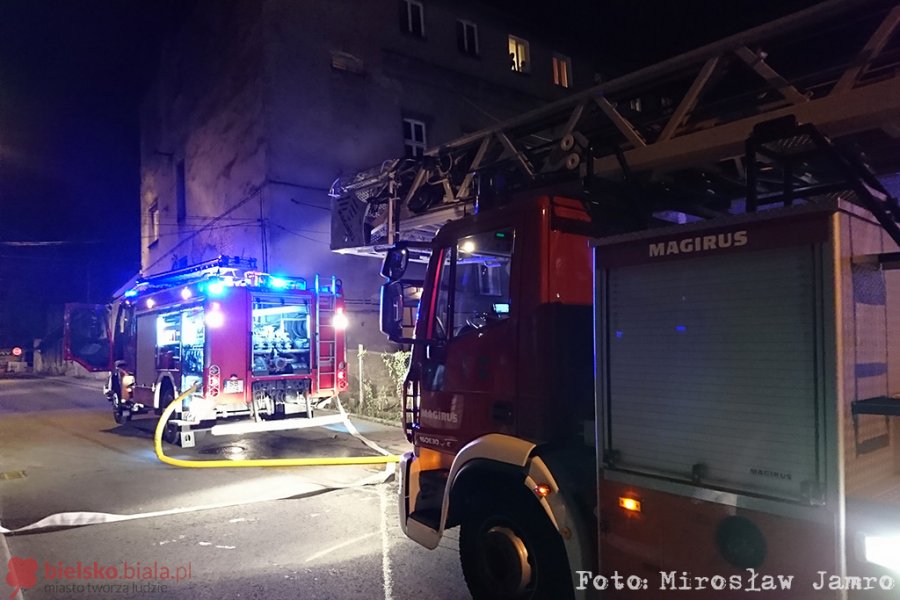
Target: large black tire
{"x": 121, "y": 414}
{"x": 509, "y": 549}
{"x": 166, "y": 395}
{"x": 171, "y": 433}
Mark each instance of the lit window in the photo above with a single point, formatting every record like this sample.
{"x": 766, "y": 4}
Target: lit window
{"x": 562, "y": 70}
{"x": 518, "y": 55}
{"x": 412, "y": 18}
{"x": 635, "y": 104}
{"x": 153, "y": 222}
{"x": 467, "y": 37}
{"x": 414, "y": 137}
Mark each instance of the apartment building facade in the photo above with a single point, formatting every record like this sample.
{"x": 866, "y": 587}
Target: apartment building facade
{"x": 259, "y": 105}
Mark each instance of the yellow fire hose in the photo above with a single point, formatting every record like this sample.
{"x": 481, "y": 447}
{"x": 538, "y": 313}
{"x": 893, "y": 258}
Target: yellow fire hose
{"x": 254, "y": 462}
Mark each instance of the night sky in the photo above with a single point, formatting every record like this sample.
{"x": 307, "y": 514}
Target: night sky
{"x": 71, "y": 77}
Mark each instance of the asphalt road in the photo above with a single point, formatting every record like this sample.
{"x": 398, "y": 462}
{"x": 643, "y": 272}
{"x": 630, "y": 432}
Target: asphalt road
{"x": 328, "y": 535}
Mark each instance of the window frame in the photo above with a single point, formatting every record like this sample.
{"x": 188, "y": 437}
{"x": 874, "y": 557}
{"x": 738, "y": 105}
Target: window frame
{"x": 153, "y": 222}
{"x": 411, "y": 145}
{"x": 562, "y": 77}
{"x": 521, "y": 63}
{"x": 180, "y": 192}
{"x": 464, "y": 26}
{"x": 408, "y": 27}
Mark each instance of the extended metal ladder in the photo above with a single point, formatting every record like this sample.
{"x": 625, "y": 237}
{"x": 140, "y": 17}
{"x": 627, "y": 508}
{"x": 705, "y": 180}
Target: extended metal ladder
{"x": 676, "y": 130}
{"x": 326, "y": 336}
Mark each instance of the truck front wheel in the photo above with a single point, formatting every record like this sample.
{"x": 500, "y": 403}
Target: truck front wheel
{"x": 509, "y": 549}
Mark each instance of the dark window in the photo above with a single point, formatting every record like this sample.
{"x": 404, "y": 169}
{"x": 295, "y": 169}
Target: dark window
{"x": 414, "y": 142}
{"x": 180, "y": 196}
{"x": 467, "y": 37}
{"x": 153, "y": 223}
{"x": 412, "y": 18}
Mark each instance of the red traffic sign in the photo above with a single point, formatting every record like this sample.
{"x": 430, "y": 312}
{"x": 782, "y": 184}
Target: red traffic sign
{"x": 17, "y": 351}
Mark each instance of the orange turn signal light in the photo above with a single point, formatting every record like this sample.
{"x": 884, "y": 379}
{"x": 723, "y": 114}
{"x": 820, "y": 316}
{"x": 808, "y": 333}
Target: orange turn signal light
{"x": 630, "y": 504}
{"x": 542, "y": 490}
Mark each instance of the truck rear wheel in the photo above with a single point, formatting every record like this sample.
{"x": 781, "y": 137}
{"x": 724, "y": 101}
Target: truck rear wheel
{"x": 121, "y": 414}
{"x": 166, "y": 397}
{"x": 509, "y": 550}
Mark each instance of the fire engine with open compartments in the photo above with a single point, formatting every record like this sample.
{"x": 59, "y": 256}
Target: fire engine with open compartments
{"x": 257, "y": 345}
{"x": 656, "y": 353}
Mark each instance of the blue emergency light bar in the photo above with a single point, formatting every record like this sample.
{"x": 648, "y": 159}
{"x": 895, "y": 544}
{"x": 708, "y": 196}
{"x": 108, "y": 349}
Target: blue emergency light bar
{"x": 214, "y": 277}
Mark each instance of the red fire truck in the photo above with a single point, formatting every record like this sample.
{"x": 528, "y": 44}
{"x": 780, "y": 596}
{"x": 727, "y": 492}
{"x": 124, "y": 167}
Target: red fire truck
{"x": 660, "y": 358}
{"x": 258, "y": 345}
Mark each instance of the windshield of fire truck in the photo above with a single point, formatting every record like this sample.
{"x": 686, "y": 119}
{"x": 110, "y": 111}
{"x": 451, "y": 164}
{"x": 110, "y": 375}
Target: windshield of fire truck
{"x": 480, "y": 284}
{"x": 280, "y": 335}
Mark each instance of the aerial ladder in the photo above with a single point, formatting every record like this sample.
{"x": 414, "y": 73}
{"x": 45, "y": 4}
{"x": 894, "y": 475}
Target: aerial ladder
{"x": 800, "y": 108}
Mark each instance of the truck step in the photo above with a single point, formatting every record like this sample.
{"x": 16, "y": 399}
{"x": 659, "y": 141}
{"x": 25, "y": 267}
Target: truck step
{"x": 432, "y": 484}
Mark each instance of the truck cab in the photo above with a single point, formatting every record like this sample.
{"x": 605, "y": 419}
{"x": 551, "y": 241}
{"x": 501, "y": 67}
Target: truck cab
{"x": 501, "y": 366}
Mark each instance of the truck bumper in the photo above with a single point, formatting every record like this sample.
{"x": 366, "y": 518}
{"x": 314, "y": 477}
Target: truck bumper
{"x": 409, "y": 487}
{"x": 403, "y": 503}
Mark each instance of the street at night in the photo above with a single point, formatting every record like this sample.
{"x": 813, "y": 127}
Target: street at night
{"x": 330, "y": 535}
{"x": 489, "y": 299}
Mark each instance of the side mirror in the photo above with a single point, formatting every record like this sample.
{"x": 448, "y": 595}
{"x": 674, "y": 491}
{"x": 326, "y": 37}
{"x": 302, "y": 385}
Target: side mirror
{"x": 398, "y": 301}
{"x": 395, "y": 262}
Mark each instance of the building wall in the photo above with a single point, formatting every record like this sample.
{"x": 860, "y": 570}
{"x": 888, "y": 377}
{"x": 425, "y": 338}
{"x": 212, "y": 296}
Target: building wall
{"x": 267, "y": 103}
{"x": 204, "y": 110}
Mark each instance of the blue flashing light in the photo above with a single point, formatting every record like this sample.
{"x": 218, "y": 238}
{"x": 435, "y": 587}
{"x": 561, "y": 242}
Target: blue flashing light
{"x": 131, "y": 293}
{"x": 680, "y": 328}
{"x": 278, "y": 283}
{"x": 619, "y": 334}
{"x": 216, "y": 288}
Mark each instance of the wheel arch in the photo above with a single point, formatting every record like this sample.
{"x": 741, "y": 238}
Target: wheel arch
{"x": 478, "y": 474}
{"x": 497, "y": 458}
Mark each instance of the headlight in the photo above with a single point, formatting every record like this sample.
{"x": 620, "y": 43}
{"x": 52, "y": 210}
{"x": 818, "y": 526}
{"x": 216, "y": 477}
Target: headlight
{"x": 340, "y": 320}
{"x": 884, "y": 551}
